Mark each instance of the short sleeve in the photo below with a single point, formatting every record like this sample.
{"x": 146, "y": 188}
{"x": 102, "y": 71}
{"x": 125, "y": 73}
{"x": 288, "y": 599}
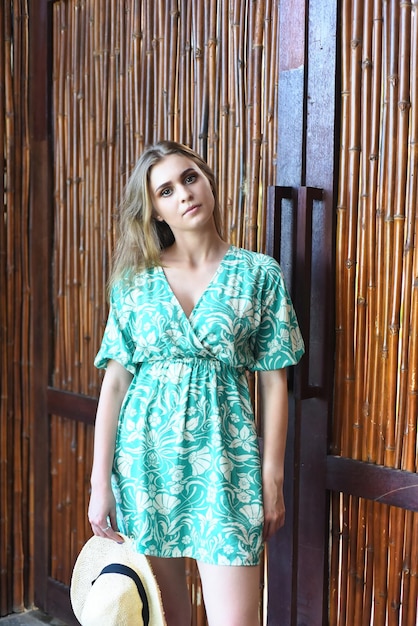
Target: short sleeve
{"x": 278, "y": 342}
{"x": 116, "y": 343}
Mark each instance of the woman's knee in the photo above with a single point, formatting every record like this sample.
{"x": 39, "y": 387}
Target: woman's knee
{"x": 231, "y": 594}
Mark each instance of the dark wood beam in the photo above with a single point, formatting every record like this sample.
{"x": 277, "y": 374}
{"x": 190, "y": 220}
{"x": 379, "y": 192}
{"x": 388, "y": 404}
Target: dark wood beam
{"x": 72, "y": 406}
{"x": 40, "y": 255}
{"x": 373, "y": 482}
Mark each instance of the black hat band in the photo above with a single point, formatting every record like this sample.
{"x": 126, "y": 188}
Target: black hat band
{"x": 118, "y": 568}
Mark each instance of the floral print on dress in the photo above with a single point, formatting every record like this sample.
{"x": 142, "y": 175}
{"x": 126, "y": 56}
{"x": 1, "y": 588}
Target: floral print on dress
{"x": 186, "y": 472}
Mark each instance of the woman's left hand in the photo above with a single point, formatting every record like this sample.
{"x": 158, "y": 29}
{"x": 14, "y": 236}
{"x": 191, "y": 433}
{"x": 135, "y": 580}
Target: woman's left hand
{"x": 274, "y": 508}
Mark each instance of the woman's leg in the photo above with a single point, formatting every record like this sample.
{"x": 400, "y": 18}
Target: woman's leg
{"x": 231, "y": 594}
{"x": 171, "y": 577}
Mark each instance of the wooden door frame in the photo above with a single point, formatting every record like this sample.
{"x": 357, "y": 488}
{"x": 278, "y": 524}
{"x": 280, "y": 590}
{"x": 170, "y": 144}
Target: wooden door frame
{"x": 40, "y": 251}
{"x": 305, "y": 197}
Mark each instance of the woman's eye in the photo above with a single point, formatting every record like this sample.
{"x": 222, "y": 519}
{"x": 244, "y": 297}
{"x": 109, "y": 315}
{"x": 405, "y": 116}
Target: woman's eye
{"x": 165, "y": 192}
{"x": 190, "y": 179}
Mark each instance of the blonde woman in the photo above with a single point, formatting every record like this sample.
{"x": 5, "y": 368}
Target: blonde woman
{"x": 176, "y": 458}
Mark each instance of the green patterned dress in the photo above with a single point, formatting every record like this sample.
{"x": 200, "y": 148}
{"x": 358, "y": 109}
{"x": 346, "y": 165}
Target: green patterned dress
{"x": 186, "y": 473}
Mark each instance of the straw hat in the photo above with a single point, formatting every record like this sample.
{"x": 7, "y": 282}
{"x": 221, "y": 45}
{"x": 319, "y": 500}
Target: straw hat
{"x": 113, "y": 585}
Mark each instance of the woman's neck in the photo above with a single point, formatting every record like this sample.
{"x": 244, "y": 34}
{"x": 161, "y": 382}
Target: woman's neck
{"x": 195, "y": 251}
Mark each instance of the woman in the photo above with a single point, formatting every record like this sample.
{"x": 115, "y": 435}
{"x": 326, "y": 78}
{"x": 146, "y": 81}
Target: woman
{"x": 176, "y": 460}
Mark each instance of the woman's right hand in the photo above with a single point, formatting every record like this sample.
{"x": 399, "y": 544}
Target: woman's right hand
{"x": 102, "y": 513}
{"x": 102, "y": 507}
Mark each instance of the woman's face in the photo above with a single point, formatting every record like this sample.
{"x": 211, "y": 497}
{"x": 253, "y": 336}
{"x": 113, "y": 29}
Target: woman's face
{"x": 181, "y": 194}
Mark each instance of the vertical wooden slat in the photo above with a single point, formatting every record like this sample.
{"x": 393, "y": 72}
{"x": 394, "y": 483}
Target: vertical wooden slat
{"x": 371, "y": 227}
{"x": 4, "y": 486}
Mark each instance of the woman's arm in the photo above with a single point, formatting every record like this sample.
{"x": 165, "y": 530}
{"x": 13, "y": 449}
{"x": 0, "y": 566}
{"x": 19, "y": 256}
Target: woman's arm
{"x": 102, "y": 507}
{"x": 274, "y": 419}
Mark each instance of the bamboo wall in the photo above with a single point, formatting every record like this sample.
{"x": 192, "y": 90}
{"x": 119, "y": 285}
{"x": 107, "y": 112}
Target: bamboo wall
{"x": 16, "y": 455}
{"x": 374, "y": 556}
{"x": 126, "y": 74}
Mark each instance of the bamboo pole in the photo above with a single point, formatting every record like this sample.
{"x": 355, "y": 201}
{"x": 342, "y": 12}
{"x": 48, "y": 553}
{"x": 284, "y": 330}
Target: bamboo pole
{"x": 361, "y": 357}
{"x": 410, "y": 437}
{"x": 396, "y": 548}
{"x": 185, "y": 74}
{"x": 410, "y": 608}
{"x": 389, "y": 164}
{"x": 381, "y": 523}
{"x": 211, "y": 54}
{"x": 360, "y": 563}
{"x": 148, "y": 75}
{"x": 202, "y": 84}
{"x": 399, "y": 323}
{"x": 369, "y": 565}
{"x": 235, "y": 163}
{"x": 254, "y": 128}
{"x": 352, "y": 558}
{"x": 406, "y": 434}
{"x": 371, "y": 241}
{"x": 397, "y": 229}
{"x": 224, "y": 114}
{"x": 171, "y": 79}
{"x": 385, "y": 249}
{"x": 376, "y": 367}
{"x": 270, "y": 81}
{"x": 239, "y": 172}
{"x": 341, "y": 230}
{"x": 352, "y": 209}
{"x": 350, "y": 280}
{"x": 344, "y": 558}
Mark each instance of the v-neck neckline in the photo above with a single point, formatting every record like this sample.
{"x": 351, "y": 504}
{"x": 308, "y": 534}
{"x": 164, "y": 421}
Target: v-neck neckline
{"x": 205, "y": 290}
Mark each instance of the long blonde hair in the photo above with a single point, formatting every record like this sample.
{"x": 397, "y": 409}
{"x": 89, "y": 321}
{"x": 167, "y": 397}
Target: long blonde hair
{"x": 140, "y": 236}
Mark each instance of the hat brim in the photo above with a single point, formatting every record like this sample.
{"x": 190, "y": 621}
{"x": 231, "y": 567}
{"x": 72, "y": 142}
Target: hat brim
{"x": 99, "y": 552}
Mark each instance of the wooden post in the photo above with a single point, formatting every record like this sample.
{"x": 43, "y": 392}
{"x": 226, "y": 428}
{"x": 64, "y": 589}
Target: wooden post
{"x": 41, "y": 239}
{"x": 306, "y": 159}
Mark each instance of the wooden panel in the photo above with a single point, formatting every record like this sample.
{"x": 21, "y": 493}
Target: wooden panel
{"x": 73, "y": 406}
{"x": 58, "y": 602}
{"x": 306, "y": 148}
{"x": 373, "y": 482}
{"x": 41, "y": 240}
{"x": 375, "y": 414}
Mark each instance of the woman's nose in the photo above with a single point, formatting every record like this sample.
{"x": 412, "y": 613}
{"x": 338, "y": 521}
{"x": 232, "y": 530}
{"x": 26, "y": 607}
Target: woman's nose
{"x": 184, "y": 192}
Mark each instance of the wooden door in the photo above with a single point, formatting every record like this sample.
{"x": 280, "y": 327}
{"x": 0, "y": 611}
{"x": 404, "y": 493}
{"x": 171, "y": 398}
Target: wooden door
{"x": 302, "y": 235}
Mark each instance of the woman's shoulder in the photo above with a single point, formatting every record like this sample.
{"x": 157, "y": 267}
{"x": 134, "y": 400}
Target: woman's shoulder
{"x": 129, "y": 282}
